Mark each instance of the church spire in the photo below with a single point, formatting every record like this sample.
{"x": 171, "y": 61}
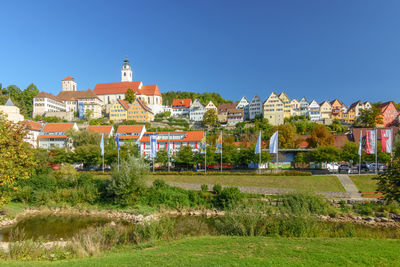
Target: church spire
{"x": 126, "y": 71}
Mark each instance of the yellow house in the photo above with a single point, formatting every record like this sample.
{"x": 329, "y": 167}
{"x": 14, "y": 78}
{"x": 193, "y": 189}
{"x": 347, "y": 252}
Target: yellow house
{"x": 138, "y": 111}
{"x": 118, "y": 110}
{"x": 287, "y": 109}
{"x": 338, "y": 110}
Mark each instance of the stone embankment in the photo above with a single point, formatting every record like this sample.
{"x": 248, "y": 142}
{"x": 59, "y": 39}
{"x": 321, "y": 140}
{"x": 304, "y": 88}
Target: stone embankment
{"x": 369, "y": 221}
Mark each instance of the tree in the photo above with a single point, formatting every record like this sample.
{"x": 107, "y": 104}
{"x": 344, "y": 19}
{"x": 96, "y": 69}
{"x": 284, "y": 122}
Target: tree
{"x": 350, "y": 152}
{"x": 130, "y": 96}
{"x": 17, "y": 160}
{"x": 210, "y": 118}
{"x": 162, "y": 157}
{"x": 320, "y": 137}
{"x": 83, "y": 137}
{"x": 88, "y": 114}
{"x": 389, "y": 182}
{"x": 185, "y": 157}
{"x": 369, "y": 117}
{"x": 287, "y": 136}
{"x": 88, "y": 154}
{"x": 324, "y": 154}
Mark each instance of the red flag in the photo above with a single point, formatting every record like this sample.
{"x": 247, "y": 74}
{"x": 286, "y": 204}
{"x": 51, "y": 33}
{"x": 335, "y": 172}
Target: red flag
{"x": 370, "y": 142}
{"x": 386, "y": 141}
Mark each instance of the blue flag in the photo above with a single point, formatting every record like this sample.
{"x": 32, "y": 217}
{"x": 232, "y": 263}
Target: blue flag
{"x": 258, "y": 145}
{"x": 117, "y": 141}
{"x": 102, "y": 145}
{"x": 153, "y": 146}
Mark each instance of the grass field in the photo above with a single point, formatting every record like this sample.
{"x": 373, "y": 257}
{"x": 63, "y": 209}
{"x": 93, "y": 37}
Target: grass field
{"x": 246, "y": 251}
{"x": 306, "y": 183}
{"x": 365, "y": 182}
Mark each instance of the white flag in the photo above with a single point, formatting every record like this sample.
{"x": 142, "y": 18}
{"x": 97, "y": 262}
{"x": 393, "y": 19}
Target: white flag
{"x": 258, "y": 145}
{"x": 153, "y": 146}
{"x": 360, "y": 144}
{"x": 387, "y": 140}
{"x": 273, "y": 143}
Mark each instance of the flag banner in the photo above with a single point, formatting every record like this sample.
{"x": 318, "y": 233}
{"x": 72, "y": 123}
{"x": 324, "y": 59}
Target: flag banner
{"x": 153, "y": 146}
{"x": 219, "y": 144}
{"x": 102, "y": 145}
{"x": 360, "y": 144}
{"x": 203, "y": 145}
{"x": 370, "y": 147}
{"x": 117, "y": 141}
{"x": 273, "y": 143}
{"x": 258, "y": 145}
{"x": 387, "y": 140}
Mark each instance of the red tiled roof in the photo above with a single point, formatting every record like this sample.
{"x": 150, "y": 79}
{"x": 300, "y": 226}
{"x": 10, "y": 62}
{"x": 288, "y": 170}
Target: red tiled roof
{"x": 181, "y": 103}
{"x": 116, "y": 88}
{"x": 128, "y": 137}
{"x": 68, "y": 78}
{"x": 144, "y": 105}
{"x": 124, "y": 103}
{"x": 33, "y": 125}
{"x": 149, "y": 90}
{"x": 52, "y": 136}
{"x": 340, "y": 140}
{"x": 191, "y": 136}
{"x": 129, "y": 129}
{"x": 74, "y": 95}
{"x": 57, "y": 127}
{"x": 48, "y": 95}
{"x": 106, "y": 129}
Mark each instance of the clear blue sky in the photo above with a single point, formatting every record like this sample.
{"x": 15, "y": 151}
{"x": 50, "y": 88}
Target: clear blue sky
{"x": 318, "y": 49}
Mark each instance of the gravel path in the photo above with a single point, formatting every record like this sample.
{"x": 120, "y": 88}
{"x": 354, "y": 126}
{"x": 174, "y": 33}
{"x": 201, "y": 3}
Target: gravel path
{"x": 350, "y": 187}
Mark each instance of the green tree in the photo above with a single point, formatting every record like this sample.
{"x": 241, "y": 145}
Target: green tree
{"x": 88, "y": 154}
{"x": 324, "y": 154}
{"x": 88, "y": 114}
{"x": 162, "y": 157}
{"x": 185, "y": 157}
{"x": 350, "y": 152}
{"x": 17, "y": 160}
{"x": 287, "y": 136}
{"x": 389, "y": 182}
{"x": 210, "y": 118}
{"x": 369, "y": 117}
{"x": 130, "y": 96}
{"x": 83, "y": 137}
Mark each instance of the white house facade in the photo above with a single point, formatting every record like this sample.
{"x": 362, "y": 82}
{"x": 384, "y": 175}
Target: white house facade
{"x": 255, "y": 107}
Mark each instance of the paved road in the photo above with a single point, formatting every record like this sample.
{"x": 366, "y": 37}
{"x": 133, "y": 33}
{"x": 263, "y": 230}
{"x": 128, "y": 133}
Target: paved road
{"x": 350, "y": 187}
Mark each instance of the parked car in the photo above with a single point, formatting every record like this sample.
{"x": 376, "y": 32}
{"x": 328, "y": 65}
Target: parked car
{"x": 332, "y": 167}
{"x": 381, "y": 167}
{"x": 344, "y": 168}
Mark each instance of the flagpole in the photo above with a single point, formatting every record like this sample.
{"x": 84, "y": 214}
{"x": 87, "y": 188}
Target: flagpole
{"x": 205, "y": 155}
{"x": 277, "y": 153}
{"x": 360, "y": 152}
{"x": 259, "y": 157}
{"x": 168, "y": 154}
{"x": 221, "y": 151}
{"x": 376, "y": 151}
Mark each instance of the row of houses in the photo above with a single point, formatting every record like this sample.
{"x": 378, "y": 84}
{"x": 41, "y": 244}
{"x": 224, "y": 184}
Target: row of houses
{"x": 277, "y": 107}
{"x": 54, "y": 135}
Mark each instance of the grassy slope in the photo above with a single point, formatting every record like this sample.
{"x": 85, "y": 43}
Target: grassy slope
{"x": 308, "y": 183}
{"x": 364, "y": 182}
{"x": 247, "y": 251}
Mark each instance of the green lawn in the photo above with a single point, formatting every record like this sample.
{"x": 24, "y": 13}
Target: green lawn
{"x": 303, "y": 183}
{"x": 365, "y": 182}
{"x": 247, "y": 251}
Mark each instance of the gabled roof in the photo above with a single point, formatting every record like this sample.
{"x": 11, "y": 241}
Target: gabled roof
{"x": 149, "y": 90}
{"x": 123, "y": 103}
{"x": 191, "y": 136}
{"x": 68, "y": 78}
{"x": 333, "y": 101}
{"x": 226, "y": 106}
{"x": 33, "y": 125}
{"x": 353, "y": 105}
{"x": 75, "y": 95}
{"x": 295, "y": 99}
{"x": 385, "y": 105}
{"x": 48, "y": 95}
{"x": 143, "y": 105}
{"x": 105, "y": 129}
{"x": 197, "y": 103}
{"x": 283, "y": 94}
{"x": 326, "y": 101}
{"x": 313, "y": 102}
{"x": 181, "y": 103}
{"x": 9, "y": 102}
{"x": 130, "y": 129}
{"x": 57, "y": 127}
{"x": 116, "y": 88}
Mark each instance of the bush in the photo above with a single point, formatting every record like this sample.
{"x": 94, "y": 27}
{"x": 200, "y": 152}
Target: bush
{"x": 217, "y": 189}
{"x": 300, "y": 203}
{"x": 128, "y": 182}
{"x": 158, "y": 184}
{"x": 204, "y": 188}
{"x": 283, "y": 173}
{"x": 229, "y": 197}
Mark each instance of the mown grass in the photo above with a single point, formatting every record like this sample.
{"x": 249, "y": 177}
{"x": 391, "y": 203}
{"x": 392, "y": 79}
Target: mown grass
{"x": 365, "y": 182}
{"x": 303, "y": 183}
{"x": 246, "y": 251}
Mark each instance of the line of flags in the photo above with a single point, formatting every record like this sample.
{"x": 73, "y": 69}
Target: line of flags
{"x": 371, "y": 137}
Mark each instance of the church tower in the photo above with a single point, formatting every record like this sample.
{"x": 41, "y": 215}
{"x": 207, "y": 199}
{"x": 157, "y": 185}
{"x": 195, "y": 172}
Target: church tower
{"x": 68, "y": 84}
{"x": 126, "y": 72}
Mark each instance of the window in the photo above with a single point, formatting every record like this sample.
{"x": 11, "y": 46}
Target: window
{"x": 124, "y": 73}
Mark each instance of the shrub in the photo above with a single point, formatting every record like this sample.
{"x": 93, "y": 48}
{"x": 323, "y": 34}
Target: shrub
{"x": 204, "y": 188}
{"x": 157, "y": 184}
{"x": 301, "y": 203}
{"x": 217, "y": 189}
{"x": 229, "y": 197}
{"x": 128, "y": 182}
